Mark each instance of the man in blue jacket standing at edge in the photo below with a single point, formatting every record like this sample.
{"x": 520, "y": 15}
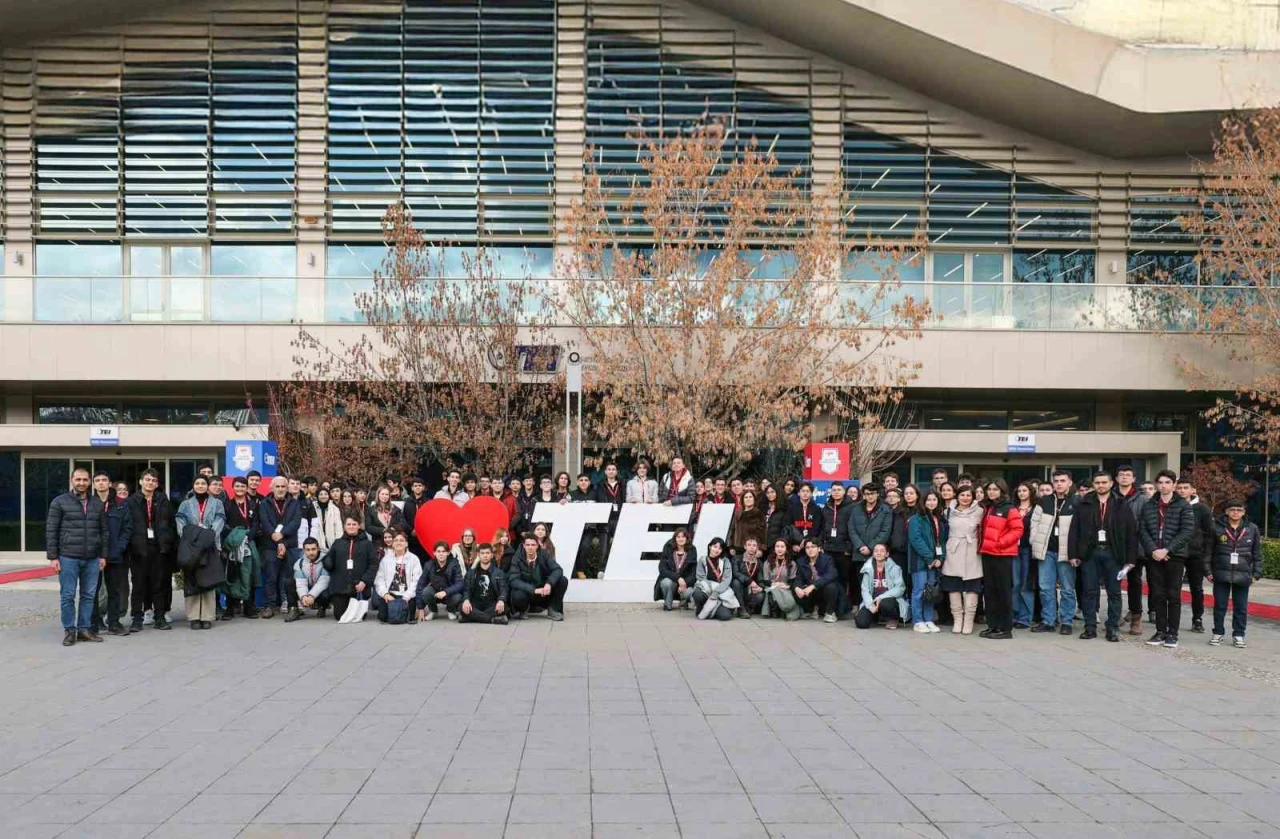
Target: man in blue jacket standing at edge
{"x": 279, "y": 518}
{"x": 76, "y": 543}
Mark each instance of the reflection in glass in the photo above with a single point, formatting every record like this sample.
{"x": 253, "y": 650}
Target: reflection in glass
{"x": 949, "y": 289}
{"x": 43, "y": 480}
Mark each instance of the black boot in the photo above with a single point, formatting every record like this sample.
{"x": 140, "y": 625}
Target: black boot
{"x": 69, "y": 638}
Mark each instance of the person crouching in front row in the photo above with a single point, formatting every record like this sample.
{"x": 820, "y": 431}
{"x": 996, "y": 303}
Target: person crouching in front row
{"x": 882, "y": 592}
{"x": 535, "y": 580}
{"x": 748, "y": 573}
{"x": 484, "y": 593}
{"x": 676, "y": 571}
{"x": 440, "y": 585}
{"x": 397, "y": 579}
{"x": 713, "y": 595}
{"x": 817, "y": 581}
{"x": 312, "y": 582}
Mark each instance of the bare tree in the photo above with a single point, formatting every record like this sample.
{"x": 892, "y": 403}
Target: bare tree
{"x": 879, "y": 436}
{"x": 437, "y": 375}
{"x": 708, "y": 297}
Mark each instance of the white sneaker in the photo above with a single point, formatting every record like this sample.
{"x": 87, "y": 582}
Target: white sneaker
{"x": 148, "y": 619}
{"x": 428, "y": 615}
{"x": 1215, "y": 640}
{"x": 920, "y": 627}
{"x": 1238, "y": 642}
{"x": 932, "y": 626}
{"x": 830, "y": 617}
{"x": 453, "y": 616}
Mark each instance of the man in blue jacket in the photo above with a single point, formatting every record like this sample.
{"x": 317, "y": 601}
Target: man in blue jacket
{"x": 75, "y": 534}
{"x": 870, "y": 523}
{"x": 279, "y": 517}
{"x": 816, "y": 581}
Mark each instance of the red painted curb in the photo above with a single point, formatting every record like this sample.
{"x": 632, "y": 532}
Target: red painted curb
{"x": 1259, "y": 610}
{"x": 27, "y": 574}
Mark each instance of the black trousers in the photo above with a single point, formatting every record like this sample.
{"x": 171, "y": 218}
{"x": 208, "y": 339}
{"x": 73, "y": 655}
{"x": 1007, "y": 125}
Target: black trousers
{"x": 825, "y": 598}
{"x": 888, "y": 611}
{"x": 427, "y": 600}
{"x": 844, "y": 573}
{"x": 1098, "y": 570}
{"x": 115, "y": 577}
{"x": 1165, "y": 581}
{"x": 339, "y": 602}
{"x": 152, "y": 583}
{"x": 478, "y": 614}
{"x": 1195, "y": 567}
{"x": 1134, "y": 581}
{"x": 700, "y": 599}
{"x": 753, "y": 603}
{"x": 997, "y": 589}
{"x": 521, "y": 601}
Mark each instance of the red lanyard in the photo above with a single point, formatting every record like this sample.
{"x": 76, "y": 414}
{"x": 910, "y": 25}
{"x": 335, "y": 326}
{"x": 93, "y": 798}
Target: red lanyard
{"x": 279, "y": 510}
{"x": 613, "y": 493}
{"x": 937, "y": 529}
{"x": 351, "y": 548}
{"x": 716, "y": 569}
{"x": 244, "y": 510}
{"x": 148, "y": 512}
{"x": 200, "y": 511}
{"x": 1235, "y": 540}
{"x": 84, "y": 503}
{"x": 1102, "y": 512}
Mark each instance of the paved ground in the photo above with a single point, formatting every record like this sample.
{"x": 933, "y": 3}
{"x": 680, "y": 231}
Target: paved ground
{"x": 626, "y": 722}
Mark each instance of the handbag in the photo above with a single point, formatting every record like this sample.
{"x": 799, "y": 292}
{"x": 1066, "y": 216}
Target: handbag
{"x": 397, "y": 611}
{"x": 932, "y": 591}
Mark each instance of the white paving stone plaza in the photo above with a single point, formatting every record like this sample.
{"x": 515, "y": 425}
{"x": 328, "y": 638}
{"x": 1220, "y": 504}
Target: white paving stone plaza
{"x": 627, "y": 722}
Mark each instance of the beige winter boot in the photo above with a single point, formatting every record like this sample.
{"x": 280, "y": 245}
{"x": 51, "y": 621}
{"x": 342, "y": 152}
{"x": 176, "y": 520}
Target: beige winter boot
{"x": 957, "y": 612}
{"x": 970, "y": 609}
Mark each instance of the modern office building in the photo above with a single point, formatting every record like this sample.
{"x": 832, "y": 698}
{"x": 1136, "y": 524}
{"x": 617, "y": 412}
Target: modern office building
{"x": 182, "y": 183}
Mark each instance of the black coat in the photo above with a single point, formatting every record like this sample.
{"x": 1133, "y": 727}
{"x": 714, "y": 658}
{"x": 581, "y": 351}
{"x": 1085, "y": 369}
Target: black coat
{"x": 667, "y": 569}
{"x": 1178, "y": 526}
{"x": 1203, "y": 534}
{"x": 76, "y": 527}
{"x": 203, "y": 568}
{"x": 521, "y": 576}
{"x": 837, "y": 519}
{"x": 374, "y": 526}
{"x": 447, "y": 579}
{"x": 120, "y": 529}
{"x": 161, "y": 522}
{"x": 1122, "y": 530}
{"x": 364, "y": 561}
{"x": 743, "y": 577}
{"x": 287, "y": 516}
{"x": 1246, "y": 544}
{"x": 775, "y": 524}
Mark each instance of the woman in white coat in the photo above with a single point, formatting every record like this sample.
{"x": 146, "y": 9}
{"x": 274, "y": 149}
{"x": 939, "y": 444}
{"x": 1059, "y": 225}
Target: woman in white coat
{"x": 397, "y": 578}
{"x": 327, "y": 527}
{"x": 962, "y": 569}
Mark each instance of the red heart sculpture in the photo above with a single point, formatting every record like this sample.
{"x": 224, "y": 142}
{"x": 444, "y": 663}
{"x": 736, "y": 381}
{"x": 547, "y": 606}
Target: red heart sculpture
{"x": 440, "y": 520}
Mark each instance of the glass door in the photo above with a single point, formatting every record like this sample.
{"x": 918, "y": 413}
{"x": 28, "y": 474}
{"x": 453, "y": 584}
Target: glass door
{"x": 166, "y": 282}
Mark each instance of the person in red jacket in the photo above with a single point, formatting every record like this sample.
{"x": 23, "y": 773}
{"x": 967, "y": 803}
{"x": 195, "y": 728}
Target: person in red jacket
{"x": 1001, "y": 532}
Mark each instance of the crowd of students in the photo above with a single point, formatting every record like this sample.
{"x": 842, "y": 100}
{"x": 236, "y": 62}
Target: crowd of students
{"x": 963, "y": 552}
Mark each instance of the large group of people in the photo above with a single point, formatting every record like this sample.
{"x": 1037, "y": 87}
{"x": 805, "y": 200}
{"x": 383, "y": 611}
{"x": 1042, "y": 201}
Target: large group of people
{"x": 963, "y": 551}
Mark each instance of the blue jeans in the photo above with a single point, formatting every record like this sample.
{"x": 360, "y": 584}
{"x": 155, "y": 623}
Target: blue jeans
{"x": 1239, "y": 608}
{"x": 279, "y": 575}
{"x": 1023, "y": 597}
{"x": 921, "y": 611}
{"x": 82, "y": 573}
{"x": 1054, "y": 573}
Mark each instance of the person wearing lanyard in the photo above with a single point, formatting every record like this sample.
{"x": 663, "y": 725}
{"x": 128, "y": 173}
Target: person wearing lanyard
{"x": 1165, "y": 533}
{"x": 612, "y": 492}
{"x": 352, "y": 563}
{"x": 1103, "y": 544}
{"x": 713, "y": 595}
{"x": 1236, "y": 564}
{"x": 201, "y": 510}
{"x": 1050, "y": 524}
{"x": 311, "y": 582}
{"x": 279, "y": 520}
{"x": 927, "y": 533}
{"x": 150, "y": 553}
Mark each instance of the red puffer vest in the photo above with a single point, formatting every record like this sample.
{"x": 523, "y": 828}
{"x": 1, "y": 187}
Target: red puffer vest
{"x": 1001, "y": 529}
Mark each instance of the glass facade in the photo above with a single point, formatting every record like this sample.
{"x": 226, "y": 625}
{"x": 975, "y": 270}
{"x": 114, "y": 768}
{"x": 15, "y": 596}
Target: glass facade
{"x": 253, "y": 283}
{"x": 149, "y": 413}
{"x": 10, "y": 500}
{"x": 43, "y": 480}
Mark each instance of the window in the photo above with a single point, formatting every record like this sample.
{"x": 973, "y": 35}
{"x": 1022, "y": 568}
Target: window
{"x": 72, "y": 413}
{"x": 10, "y": 508}
{"x": 1052, "y": 420}
{"x": 238, "y": 414}
{"x": 951, "y": 419}
{"x": 968, "y": 289}
{"x": 1060, "y": 289}
{"x": 78, "y": 283}
{"x": 1162, "y": 421}
{"x": 43, "y": 480}
{"x": 252, "y": 283}
{"x": 1151, "y": 267}
{"x": 143, "y": 414}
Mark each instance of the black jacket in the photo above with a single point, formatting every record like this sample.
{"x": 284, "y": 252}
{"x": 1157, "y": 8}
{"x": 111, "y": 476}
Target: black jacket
{"x": 249, "y": 521}
{"x": 667, "y": 569}
{"x": 473, "y": 592}
{"x": 1246, "y": 544}
{"x": 287, "y": 516}
{"x": 802, "y": 521}
{"x": 775, "y": 527}
{"x": 120, "y": 529}
{"x": 447, "y": 579}
{"x": 1122, "y": 530}
{"x": 742, "y": 576}
{"x": 76, "y": 527}
{"x": 1179, "y": 523}
{"x": 374, "y": 526}
{"x": 1203, "y": 534}
{"x": 521, "y": 576}
{"x": 824, "y": 567}
{"x": 898, "y": 536}
{"x": 364, "y": 564}
{"x": 866, "y": 530}
{"x": 161, "y": 523}
{"x": 835, "y": 527}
